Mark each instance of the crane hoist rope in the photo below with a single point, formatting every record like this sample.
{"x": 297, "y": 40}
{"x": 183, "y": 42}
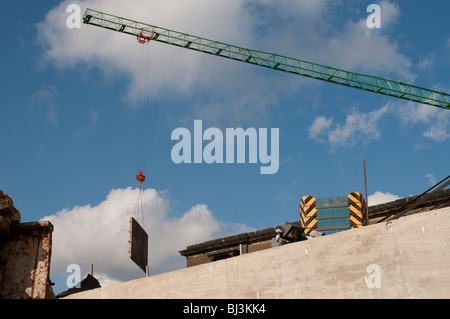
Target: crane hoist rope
{"x": 143, "y": 88}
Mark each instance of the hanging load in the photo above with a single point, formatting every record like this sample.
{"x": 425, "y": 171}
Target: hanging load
{"x": 138, "y": 245}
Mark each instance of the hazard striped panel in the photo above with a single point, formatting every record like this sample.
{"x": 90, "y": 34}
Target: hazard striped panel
{"x": 357, "y": 210}
{"x": 333, "y": 214}
{"x": 308, "y": 214}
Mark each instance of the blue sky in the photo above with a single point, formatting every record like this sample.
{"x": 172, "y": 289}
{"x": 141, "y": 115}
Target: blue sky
{"x": 69, "y": 119}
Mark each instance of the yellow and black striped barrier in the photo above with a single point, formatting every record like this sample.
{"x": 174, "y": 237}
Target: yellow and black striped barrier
{"x": 357, "y": 209}
{"x": 332, "y": 214}
{"x": 308, "y": 214}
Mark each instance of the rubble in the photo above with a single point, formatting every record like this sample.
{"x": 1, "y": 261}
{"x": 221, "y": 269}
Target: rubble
{"x": 288, "y": 233}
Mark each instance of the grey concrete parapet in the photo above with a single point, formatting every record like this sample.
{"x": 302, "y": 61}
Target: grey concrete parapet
{"x": 404, "y": 258}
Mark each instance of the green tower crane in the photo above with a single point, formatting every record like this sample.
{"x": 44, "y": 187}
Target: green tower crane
{"x": 145, "y": 32}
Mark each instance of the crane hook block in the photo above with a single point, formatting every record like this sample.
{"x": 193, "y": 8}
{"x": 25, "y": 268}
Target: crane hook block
{"x": 142, "y": 38}
{"x": 140, "y": 177}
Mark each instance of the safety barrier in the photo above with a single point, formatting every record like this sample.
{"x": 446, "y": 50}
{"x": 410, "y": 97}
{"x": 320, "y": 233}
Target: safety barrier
{"x": 332, "y": 214}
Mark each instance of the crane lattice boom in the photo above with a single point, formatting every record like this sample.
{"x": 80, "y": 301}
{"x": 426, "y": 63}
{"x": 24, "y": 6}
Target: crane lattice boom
{"x": 273, "y": 61}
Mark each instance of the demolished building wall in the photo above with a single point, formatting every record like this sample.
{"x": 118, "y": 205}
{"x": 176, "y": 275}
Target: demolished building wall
{"x": 25, "y": 254}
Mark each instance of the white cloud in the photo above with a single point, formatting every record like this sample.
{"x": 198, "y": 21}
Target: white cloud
{"x": 431, "y": 179}
{"x": 320, "y": 125}
{"x": 358, "y": 128}
{"x": 172, "y": 69}
{"x": 426, "y": 63}
{"x": 364, "y": 127}
{"x": 221, "y": 88}
{"x": 437, "y": 120}
{"x": 390, "y": 12}
{"x": 439, "y": 131}
{"x": 416, "y": 113}
{"x": 44, "y": 101}
{"x": 380, "y": 198}
{"x": 371, "y": 51}
{"x": 324, "y": 32}
{"x": 89, "y": 127}
{"x": 99, "y": 234}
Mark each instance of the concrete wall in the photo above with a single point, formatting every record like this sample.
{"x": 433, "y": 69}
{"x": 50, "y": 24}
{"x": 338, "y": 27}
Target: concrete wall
{"x": 207, "y": 250}
{"x": 404, "y": 258}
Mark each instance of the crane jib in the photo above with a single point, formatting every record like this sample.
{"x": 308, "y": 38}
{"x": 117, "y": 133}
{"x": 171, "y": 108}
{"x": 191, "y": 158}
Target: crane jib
{"x": 270, "y": 60}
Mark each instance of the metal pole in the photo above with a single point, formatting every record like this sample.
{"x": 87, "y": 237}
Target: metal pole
{"x": 409, "y": 203}
{"x": 92, "y": 269}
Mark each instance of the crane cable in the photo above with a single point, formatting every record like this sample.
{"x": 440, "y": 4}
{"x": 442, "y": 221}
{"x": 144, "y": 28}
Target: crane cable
{"x": 143, "y": 90}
